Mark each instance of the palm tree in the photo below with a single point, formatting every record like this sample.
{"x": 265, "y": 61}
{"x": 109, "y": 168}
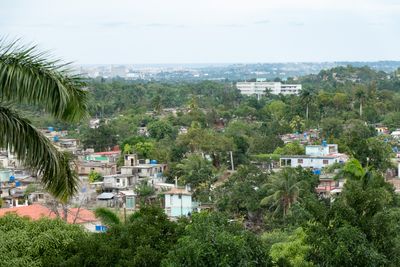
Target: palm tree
{"x": 306, "y": 97}
{"x": 27, "y": 77}
{"x": 283, "y": 190}
{"x": 108, "y": 217}
{"x": 361, "y": 96}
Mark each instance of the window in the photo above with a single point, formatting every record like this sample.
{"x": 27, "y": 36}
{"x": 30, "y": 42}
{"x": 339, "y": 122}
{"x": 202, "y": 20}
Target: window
{"x": 300, "y": 161}
{"x": 117, "y": 180}
{"x": 325, "y": 161}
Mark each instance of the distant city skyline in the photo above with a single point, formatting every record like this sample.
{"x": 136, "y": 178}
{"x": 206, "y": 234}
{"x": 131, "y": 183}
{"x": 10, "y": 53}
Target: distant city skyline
{"x": 206, "y": 32}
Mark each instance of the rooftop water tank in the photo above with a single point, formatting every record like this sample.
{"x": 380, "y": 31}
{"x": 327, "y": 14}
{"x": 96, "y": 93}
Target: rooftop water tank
{"x": 324, "y": 143}
{"x": 51, "y": 129}
{"x": 153, "y": 161}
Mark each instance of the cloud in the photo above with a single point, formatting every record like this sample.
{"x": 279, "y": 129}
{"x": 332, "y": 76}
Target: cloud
{"x": 233, "y": 25}
{"x": 296, "y": 23}
{"x": 266, "y": 21}
{"x": 157, "y": 25}
{"x": 114, "y": 24}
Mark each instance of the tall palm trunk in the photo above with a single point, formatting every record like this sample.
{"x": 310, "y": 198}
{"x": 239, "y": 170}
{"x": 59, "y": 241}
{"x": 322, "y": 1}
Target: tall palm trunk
{"x": 307, "y": 112}
{"x": 361, "y": 108}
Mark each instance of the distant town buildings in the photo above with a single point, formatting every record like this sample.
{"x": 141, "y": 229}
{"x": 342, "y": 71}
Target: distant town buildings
{"x": 260, "y": 88}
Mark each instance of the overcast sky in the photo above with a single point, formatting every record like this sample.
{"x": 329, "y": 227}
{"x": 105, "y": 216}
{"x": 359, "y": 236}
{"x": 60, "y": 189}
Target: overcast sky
{"x": 207, "y": 31}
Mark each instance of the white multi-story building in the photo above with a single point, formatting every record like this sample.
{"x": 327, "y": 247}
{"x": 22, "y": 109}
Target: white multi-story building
{"x": 259, "y": 88}
{"x": 316, "y": 157}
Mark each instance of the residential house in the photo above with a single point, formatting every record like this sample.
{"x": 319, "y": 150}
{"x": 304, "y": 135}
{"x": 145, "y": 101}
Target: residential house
{"x": 396, "y": 134}
{"x": 85, "y": 167}
{"x": 143, "y": 169}
{"x": 107, "y": 200}
{"x": 118, "y": 181}
{"x": 316, "y": 157}
{"x": 329, "y": 186}
{"x": 178, "y": 202}
{"x": 382, "y": 129}
{"x": 128, "y": 198}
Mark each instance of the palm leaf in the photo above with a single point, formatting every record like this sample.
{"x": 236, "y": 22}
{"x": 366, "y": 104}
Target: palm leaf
{"x": 107, "y": 216}
{"x": 34, "y": 150}
{"x": 26, "y": 76}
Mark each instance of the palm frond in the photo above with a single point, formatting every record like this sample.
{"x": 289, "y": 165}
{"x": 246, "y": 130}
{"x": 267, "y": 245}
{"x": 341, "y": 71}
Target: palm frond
{"x": 107, "y": 216}
{"x": 26, "y": 76}
{"x": 34, "y": 150}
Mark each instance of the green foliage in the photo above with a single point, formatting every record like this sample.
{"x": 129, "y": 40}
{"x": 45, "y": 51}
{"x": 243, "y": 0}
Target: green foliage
{"x": 95, "y": 176}
{"x": 212, "y": 240}
{"x": 292, "y": 251}
{"x": 198, "y": 173}
{"x": 294, "y": 148}
{"x": 359, "y": 227}
{"x": 36, "y": 243}
{"x": 107, "y": 216}
{"x": 161, "y": 129}
{"x": 144, "y": 240}
{"x": 144, "y": 191}
{"x": 144, "y": 149}
{"x": 102, "y": 138}
{"x": 241, "y": 194}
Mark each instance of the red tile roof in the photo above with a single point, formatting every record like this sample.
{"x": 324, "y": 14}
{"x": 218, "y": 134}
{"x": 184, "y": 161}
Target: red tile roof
{"x": 37, "y": 211}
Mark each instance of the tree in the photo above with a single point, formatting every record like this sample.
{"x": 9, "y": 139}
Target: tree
{"x": 292, "y": 251}
{"x": 198, "y": 173}
{"x": 144, "y": 191}
{"x": 144, "y": 149}
{"x": 95, "y": 176}
{"x": 44, "y": 242}
{"x": 294, "y": 148}
{"x": 107, "y": 217}
{"x": 28, "y": 78}
{"x": 156, "y": 103}
{"x": 212, "y": 240}
{"x": 361, "y": 95}
{"x": 102, "y": 138}
{"x": 360, "y": 228}
{"x": 241, "y": 194}
{"x": 297, "y": 124}
{"x": 307, "y": 96}
{"x": 283, "y": 189}
{"x": 143, "y": 240}
{"x": 161, "y": 129}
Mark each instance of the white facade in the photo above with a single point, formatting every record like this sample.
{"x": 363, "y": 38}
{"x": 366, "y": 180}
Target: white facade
{"x": 315, "y": 162}
{"x": 275, "y": 88}
{"x": 117, "y": 181}
{"x": 316, "y": 157}
{"x": 178, "y": 202}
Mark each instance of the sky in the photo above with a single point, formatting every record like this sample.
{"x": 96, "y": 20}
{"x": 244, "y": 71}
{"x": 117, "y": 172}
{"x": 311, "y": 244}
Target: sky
{"x": 206, "y": 31}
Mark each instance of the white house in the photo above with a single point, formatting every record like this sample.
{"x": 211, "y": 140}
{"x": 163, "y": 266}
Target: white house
{"x": 178, "y": 202}
{"x": 118, "y": 181}
{"x": 316, "y": 157}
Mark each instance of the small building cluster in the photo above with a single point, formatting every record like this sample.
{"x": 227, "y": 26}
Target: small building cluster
{"x": 114, "y": 186}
